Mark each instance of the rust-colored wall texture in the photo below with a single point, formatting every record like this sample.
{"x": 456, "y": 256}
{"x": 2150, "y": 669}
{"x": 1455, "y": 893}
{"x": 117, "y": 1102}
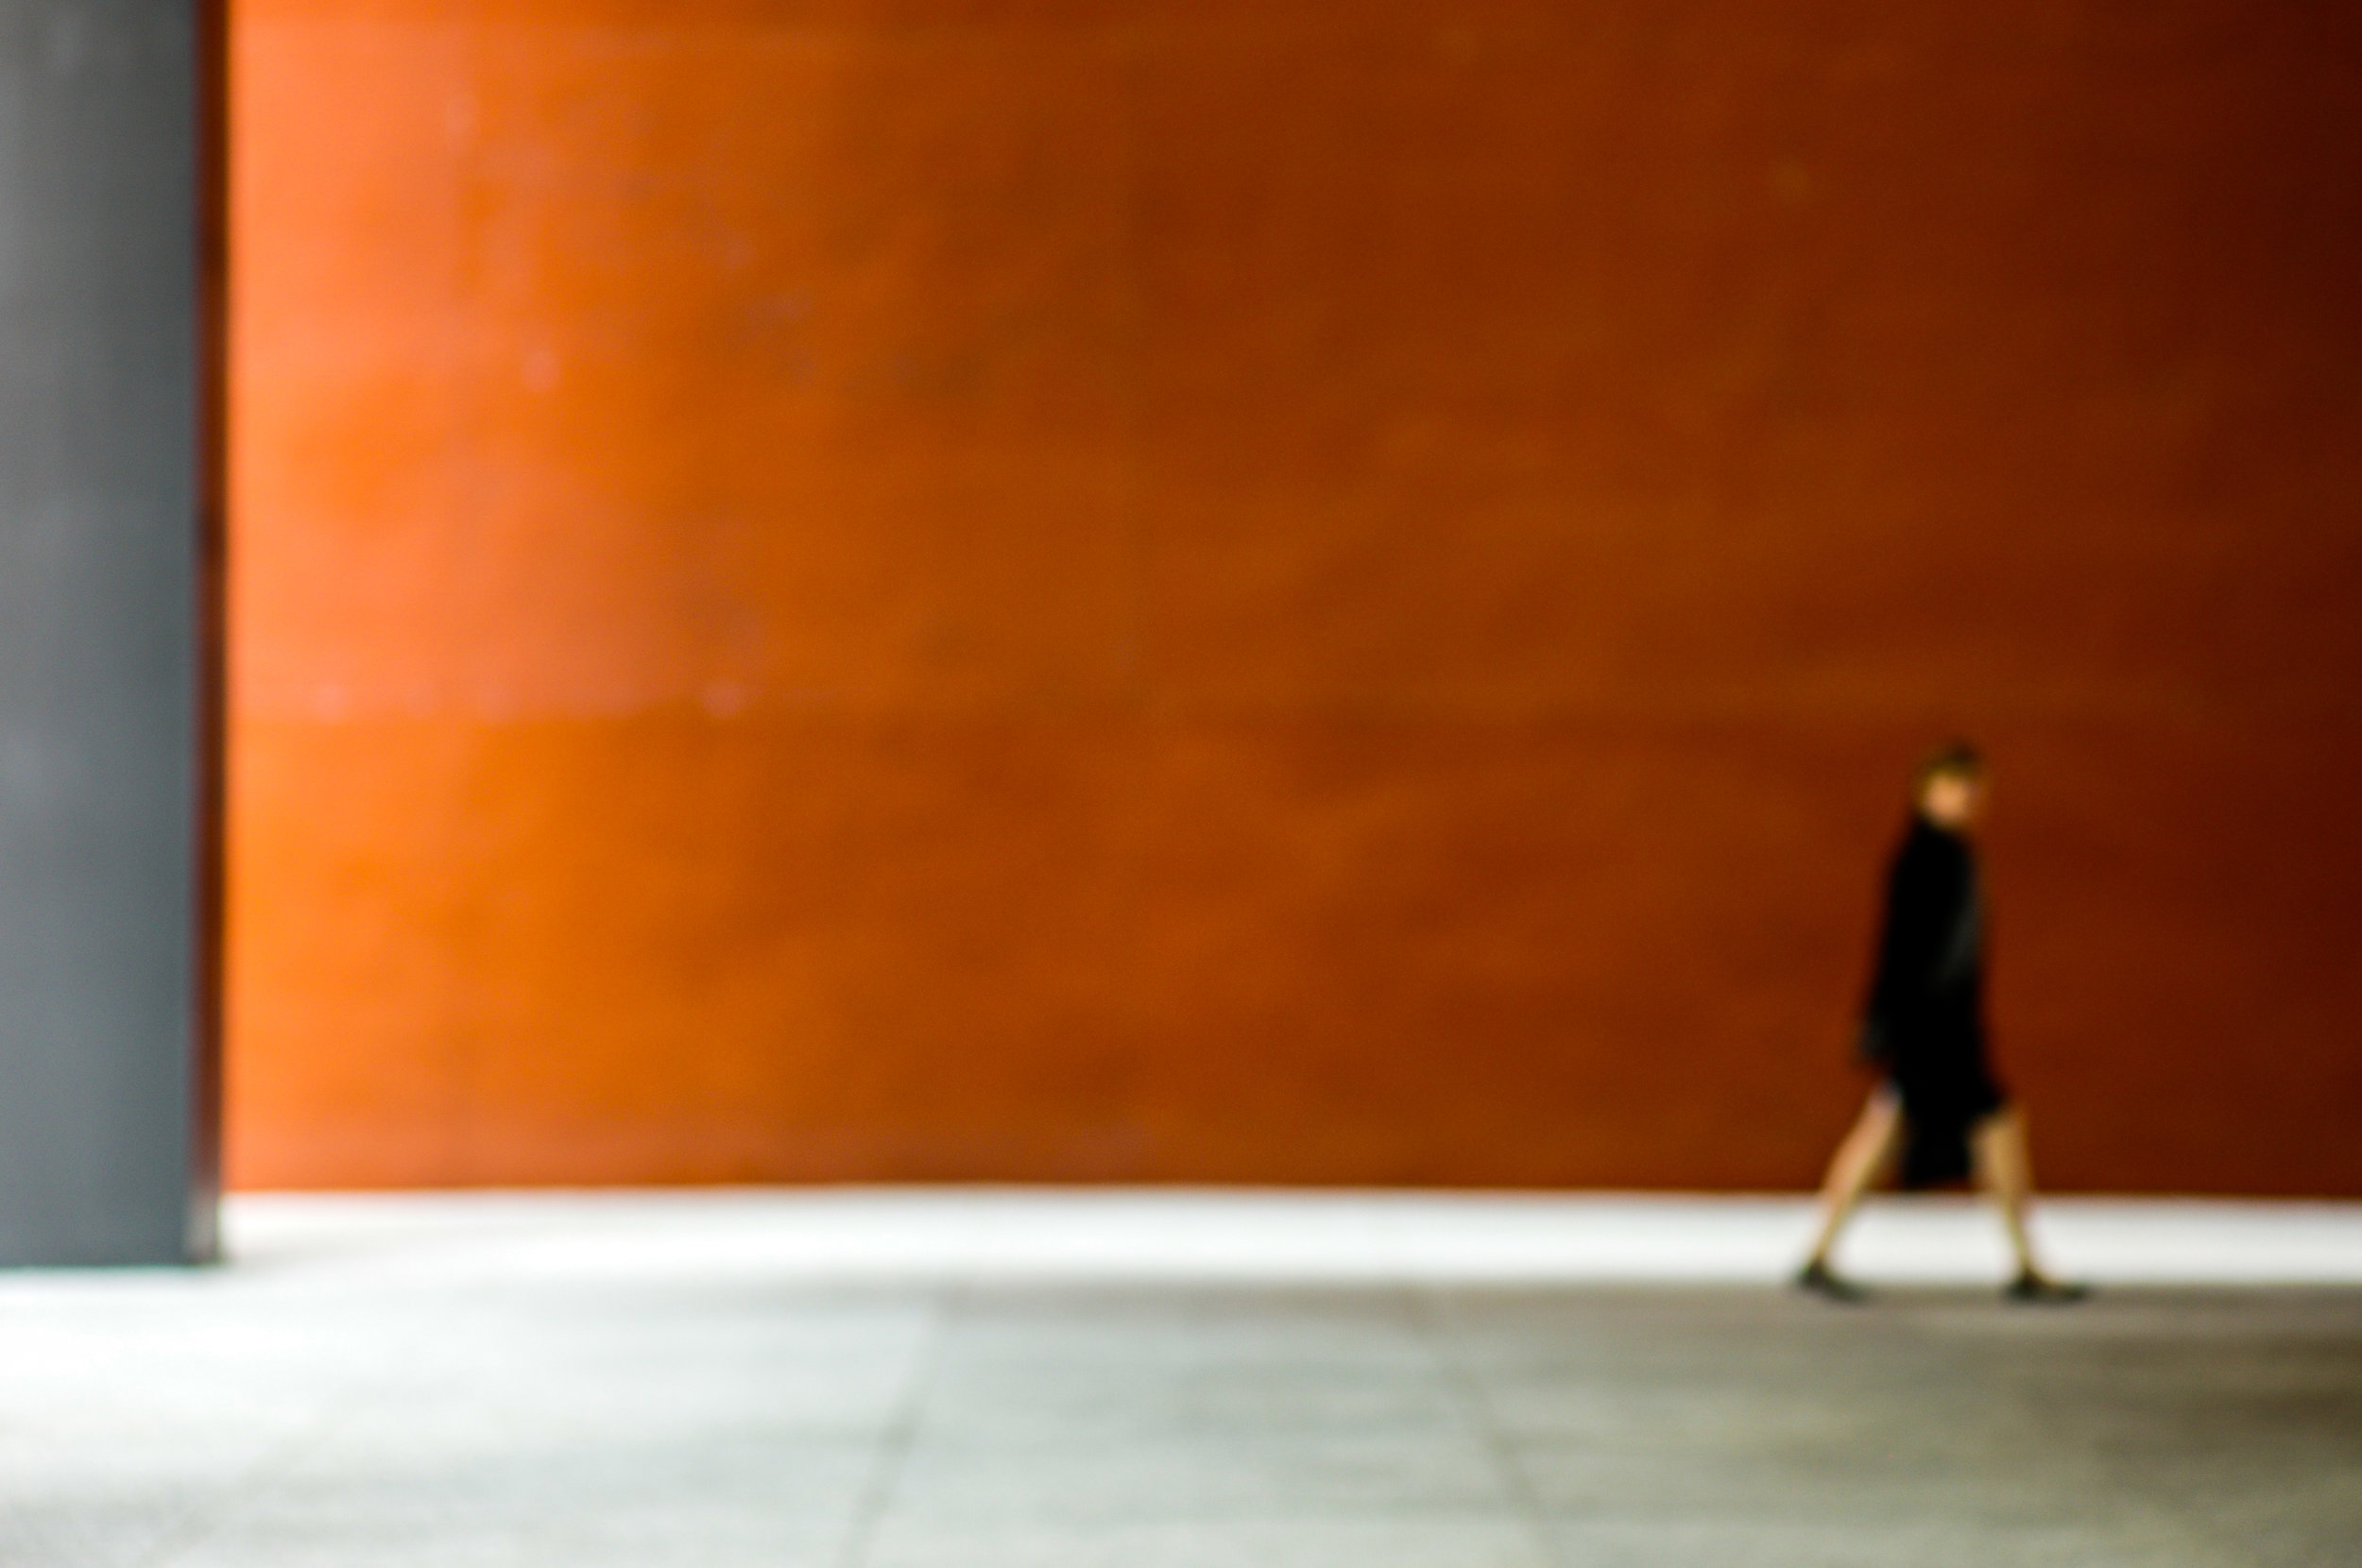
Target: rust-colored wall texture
{"x": 1186, "y": 589}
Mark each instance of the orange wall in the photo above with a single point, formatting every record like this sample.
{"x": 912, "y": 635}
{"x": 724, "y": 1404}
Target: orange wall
{"x": 1280, "y": 591}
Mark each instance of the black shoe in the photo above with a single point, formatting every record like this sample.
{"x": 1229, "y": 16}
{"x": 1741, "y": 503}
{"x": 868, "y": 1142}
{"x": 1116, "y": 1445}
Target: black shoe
{"x": 2044, "y": 1290}
{"x": 1817, "y": 1278}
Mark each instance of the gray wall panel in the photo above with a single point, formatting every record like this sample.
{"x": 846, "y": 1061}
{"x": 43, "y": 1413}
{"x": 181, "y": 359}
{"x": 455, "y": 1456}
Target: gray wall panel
{"x": 99, "y": 656}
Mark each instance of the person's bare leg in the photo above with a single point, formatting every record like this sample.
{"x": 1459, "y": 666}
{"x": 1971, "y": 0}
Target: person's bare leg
{"x": 1860, "y": 1160}
{"x": 2007, "y": 1173}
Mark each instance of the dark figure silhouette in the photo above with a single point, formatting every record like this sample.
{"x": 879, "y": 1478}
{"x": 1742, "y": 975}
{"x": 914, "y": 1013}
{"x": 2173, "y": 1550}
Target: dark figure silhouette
{"x": 1923, "y": 1026}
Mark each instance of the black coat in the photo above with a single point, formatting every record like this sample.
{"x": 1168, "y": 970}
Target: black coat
{"x": 1925, "y": 1019}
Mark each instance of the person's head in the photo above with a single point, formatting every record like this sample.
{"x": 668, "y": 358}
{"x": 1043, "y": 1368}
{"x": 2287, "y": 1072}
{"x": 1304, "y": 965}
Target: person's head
{"x": 1949, "y": 788}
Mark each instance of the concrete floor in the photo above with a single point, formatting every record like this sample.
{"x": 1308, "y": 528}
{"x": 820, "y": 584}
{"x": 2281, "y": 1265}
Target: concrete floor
{"x": 749, "y": 1380}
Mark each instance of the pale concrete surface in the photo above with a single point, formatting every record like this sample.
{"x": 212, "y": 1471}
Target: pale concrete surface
{"x": 794, "y": 1379}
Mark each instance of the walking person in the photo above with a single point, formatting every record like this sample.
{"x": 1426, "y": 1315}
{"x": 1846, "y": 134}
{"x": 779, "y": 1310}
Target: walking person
{"x": 1924, "y": 1026}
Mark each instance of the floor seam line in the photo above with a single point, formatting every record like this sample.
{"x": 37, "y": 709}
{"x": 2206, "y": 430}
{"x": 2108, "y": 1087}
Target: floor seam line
{"x": 876, "y": 1494}
{"x": 1477, "y": 1410}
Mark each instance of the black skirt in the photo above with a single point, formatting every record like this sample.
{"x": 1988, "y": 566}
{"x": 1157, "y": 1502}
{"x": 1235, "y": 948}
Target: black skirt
{"x": 1946, "y": 1089}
